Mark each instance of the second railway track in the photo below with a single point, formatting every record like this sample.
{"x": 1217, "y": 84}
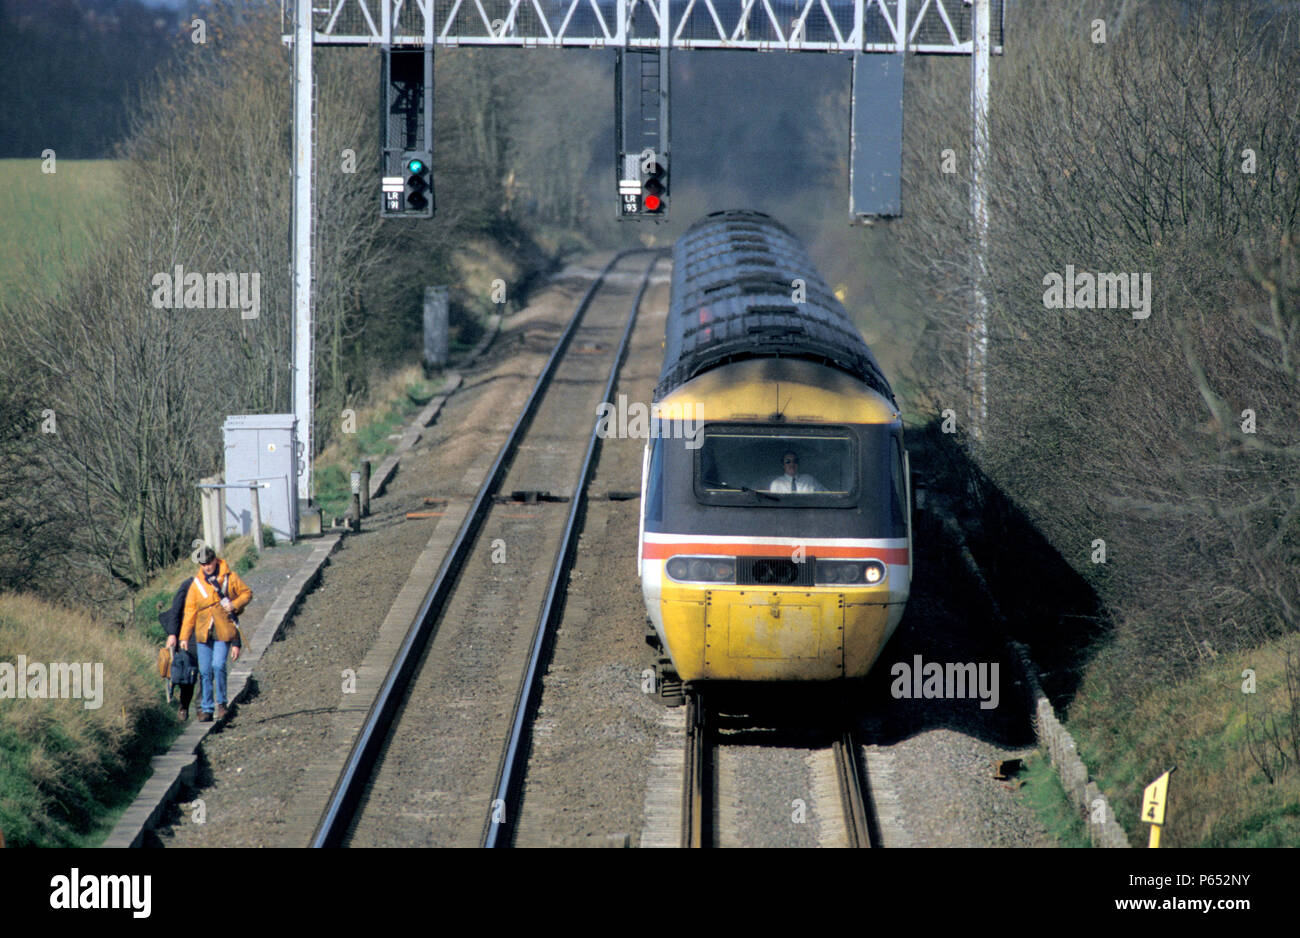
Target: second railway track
{"x": 437, "y": 760}
{"x": 704, "y": 816}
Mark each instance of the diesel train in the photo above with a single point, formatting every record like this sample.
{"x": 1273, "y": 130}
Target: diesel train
{"x": 775, "y": 531}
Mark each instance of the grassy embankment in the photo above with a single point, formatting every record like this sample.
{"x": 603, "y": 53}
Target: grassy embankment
{"x": 67, "y": 771}
{"x": 1230, "y": 723}
{"x": 1220, "y": 795}
{"x": 64, "y": 766}
{"x": 378, "y": 424}
{"x": 1231, "y": 726}
{"x": 397, "y": 395}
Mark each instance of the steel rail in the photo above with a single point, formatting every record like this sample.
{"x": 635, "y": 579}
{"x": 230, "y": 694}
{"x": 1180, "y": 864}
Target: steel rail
{"x": 859, "y": 822}
{"x": 356, "y": 772}
{"x": 861, "y": 827}
{"x": 697, "y": 807}
{"x": 499, "y": 825}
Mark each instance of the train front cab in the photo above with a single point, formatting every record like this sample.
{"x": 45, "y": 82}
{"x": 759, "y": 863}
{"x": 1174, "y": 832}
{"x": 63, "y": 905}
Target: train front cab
{"x": 743, "y": 583}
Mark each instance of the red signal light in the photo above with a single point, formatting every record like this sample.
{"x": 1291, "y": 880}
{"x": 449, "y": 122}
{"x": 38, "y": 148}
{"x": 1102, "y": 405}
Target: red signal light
{"x": 654, "y": 189}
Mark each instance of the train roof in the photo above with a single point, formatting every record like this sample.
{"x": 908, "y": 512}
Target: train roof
{"x": 759, "y": 389}
{"x": 732, "y": 300}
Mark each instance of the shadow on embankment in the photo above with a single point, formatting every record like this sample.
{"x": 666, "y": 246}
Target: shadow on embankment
{"x": 1044, "y": 604}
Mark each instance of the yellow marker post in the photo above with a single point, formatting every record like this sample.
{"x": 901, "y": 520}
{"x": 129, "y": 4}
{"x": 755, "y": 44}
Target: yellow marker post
{"x": 1153, "y": 806}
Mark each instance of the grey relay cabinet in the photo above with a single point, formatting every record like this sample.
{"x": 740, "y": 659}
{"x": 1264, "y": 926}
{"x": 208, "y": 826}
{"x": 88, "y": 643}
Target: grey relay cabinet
{"x": 262, "y": 448}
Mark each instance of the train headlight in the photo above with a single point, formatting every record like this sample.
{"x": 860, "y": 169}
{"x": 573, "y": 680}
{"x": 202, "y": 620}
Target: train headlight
{"x": 850, "y": 572}
{"x": 702, "y": 569}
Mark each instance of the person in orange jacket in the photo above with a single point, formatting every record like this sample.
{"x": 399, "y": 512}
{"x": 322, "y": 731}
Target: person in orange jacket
{"x": 212, "y": 608}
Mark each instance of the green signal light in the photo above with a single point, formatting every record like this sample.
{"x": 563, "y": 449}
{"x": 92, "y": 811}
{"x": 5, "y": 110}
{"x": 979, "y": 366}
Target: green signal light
{"x": 415, "y": 166}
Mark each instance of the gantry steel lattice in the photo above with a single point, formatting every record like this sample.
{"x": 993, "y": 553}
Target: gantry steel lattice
{"x": 919, "y": 26}
{"x": 853, "y": 27}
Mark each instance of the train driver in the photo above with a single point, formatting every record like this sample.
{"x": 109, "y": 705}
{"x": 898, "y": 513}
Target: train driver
{"x": 791, "y": 481}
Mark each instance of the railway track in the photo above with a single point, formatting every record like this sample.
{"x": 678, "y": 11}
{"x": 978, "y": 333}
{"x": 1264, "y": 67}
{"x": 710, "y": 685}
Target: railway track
{"x": 702, "y": 825}
{"x": 438, "y": 759}
{"x": 859, "y": 820}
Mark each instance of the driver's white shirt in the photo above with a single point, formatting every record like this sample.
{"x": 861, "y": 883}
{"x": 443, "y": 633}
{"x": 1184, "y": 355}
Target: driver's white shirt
{"x": 800, "y": 483}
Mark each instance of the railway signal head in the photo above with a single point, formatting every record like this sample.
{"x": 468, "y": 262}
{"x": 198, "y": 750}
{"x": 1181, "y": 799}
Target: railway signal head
{"x": 654, "y": 189}
{"x": 417, "y": 183}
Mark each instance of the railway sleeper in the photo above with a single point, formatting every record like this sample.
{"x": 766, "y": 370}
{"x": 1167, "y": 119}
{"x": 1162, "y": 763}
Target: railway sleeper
{"x": 528, "y": 497}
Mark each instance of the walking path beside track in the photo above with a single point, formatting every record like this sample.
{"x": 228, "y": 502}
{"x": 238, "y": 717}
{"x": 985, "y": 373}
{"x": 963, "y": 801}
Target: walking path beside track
{"x": 282, "y": 577}
{"x": 256, "y": 778}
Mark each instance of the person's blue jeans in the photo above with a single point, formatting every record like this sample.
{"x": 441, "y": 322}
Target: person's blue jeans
{"x": 212, "y": 673}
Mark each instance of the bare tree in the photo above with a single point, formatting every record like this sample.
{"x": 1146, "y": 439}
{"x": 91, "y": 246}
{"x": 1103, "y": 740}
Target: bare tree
{"x": 1168, "y": 150}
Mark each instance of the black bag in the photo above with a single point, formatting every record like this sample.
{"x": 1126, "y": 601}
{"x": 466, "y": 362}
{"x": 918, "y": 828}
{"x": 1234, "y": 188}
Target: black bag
{"x": 185, "y": 665}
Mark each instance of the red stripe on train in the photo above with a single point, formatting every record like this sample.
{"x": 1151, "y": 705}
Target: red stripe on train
{"x": 656, "y": 551}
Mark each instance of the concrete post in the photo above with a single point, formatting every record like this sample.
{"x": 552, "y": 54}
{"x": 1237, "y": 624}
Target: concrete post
{"x": 436, "y": 316}
{"x": 213, "y": 512}
{"x": 257, "y": 515}
{"x": 220, "y": 545}
{"x": 205, "y": 509}
{"x": 354, "y": 513}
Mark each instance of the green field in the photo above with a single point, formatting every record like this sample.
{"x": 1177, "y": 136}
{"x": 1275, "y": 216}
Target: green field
{"x": 48, "y": 219}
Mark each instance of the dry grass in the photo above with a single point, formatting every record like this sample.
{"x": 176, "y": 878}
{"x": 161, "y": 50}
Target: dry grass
{"x": 481, "y": 261}
{"x": 385, "y": 389}
{"x": 392, "y": 400}
{"x": 64, "y": 769}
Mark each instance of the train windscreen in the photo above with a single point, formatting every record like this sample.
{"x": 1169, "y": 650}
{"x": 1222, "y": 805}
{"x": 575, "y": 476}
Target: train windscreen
{"x": 779, "y": 464}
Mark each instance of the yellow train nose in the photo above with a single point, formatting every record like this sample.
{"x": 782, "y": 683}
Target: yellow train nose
{"x": 775, "y": 635}
{"x": 750, "y": 625}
